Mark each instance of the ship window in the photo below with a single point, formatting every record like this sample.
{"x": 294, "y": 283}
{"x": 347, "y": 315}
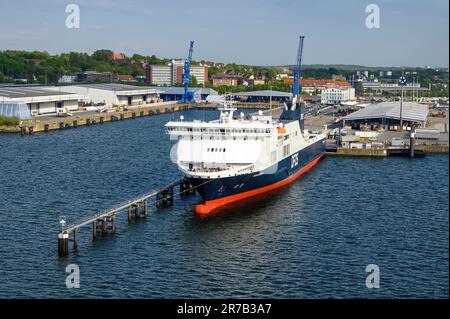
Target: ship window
{"x": 286, "y": 150}
{"x": 207, "y": 149}
{"x": 212, "y": 150}
{"x": 224, "y": 150}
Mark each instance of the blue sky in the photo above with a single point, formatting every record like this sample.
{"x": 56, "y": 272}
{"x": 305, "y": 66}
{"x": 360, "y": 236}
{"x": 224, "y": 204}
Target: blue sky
{"x": 258, "y": 32}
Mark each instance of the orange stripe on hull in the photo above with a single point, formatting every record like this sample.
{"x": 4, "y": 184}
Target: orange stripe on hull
{"x": 209, "y": 206}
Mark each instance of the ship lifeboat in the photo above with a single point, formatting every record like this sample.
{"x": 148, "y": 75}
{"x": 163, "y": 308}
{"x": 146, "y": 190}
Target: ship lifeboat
{"x": 281, "y": 130}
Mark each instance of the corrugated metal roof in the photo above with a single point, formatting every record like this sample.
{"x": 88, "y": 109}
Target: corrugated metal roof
{"x": 115, "y": 87}
{"x": 25, "y": 92}
{"x": 265, "y": 93}
{"x": 180, "y": 90}
{"x": 410, "y": 112}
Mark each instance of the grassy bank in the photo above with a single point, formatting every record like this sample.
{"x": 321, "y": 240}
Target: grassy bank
{"x": 9, "y": 120}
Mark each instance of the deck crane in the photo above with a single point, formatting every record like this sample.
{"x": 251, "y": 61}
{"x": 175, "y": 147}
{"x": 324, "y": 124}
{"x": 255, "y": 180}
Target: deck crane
{"x": 297, "y": 73}
{"x": 188, "y": 96}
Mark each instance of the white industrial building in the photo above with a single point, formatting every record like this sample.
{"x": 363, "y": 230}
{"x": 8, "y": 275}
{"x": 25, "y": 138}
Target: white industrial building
{"x": 113, "y": 93}
{"x": 40, "y": 100}
{"x": 337, "y": 95}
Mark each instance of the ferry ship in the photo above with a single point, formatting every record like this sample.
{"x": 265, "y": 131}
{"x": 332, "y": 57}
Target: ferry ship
{"x": 237, "y": 157}
{"x": 233, "y": 158}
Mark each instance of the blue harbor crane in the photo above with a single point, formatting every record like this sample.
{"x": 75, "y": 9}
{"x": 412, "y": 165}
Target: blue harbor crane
{"x": 188, "y": 96}
{"x": 297, "y": 73}
{"x": 295, "y": 110}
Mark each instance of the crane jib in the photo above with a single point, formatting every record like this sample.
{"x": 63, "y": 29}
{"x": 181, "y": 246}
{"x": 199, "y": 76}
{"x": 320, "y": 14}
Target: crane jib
{"x": 297, "y": 70}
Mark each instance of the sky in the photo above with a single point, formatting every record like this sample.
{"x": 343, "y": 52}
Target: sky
{"x": 254, "y": 32}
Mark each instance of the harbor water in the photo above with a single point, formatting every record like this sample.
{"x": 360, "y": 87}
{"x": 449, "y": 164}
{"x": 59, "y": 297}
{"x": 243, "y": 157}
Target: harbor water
{"x": 312, "y": 239}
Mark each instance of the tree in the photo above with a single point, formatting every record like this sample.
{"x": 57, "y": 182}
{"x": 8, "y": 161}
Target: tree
{"x": 103, "y": 67}
{"x": 359, "y": 89}
{"x": 138, "y": 57}
{"x": 193, "y": 81}
{"x": 103, "y": 55}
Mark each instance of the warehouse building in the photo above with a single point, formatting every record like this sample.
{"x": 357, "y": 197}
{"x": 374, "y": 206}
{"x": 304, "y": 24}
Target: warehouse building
{"x": 113, "y": 93}
{"x": 39, "y": 100}
{"x": 176, "y": 93}
{"x": 263, "y": 96}
{"x": 387, "y": 116}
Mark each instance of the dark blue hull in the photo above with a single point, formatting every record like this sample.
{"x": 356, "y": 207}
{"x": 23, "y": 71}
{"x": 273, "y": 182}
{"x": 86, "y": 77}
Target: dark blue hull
{"x": 213, "y": 189}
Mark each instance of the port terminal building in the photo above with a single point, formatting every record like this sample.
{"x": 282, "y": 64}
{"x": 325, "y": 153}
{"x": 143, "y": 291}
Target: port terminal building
{"x": 387, "y": 116}
{"x": 27, "y": 101}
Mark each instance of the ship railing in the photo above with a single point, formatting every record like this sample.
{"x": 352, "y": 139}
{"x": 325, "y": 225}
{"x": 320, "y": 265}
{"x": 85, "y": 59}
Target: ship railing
{"x": 237, "y": 133}
{"x": 218, "y": 168}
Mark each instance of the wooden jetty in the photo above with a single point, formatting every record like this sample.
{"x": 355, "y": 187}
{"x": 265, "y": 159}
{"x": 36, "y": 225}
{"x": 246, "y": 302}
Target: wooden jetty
{"x": 106, "y": 221}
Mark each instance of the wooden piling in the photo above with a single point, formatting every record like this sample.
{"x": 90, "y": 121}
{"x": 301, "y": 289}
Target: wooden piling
{"x": 114, "y": 227}
{"x": 104, "y": 226}
{"x": 158, "y": 203}
{"x": 75, "y": 238}
{"x": 94, "y": 229}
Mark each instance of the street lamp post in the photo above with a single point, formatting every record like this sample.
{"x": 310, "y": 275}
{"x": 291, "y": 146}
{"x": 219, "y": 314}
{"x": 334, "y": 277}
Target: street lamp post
{"x": 402, "y": 83}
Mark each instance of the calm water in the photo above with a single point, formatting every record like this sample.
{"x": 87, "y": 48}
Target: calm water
{"x": 313, "y": 239}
